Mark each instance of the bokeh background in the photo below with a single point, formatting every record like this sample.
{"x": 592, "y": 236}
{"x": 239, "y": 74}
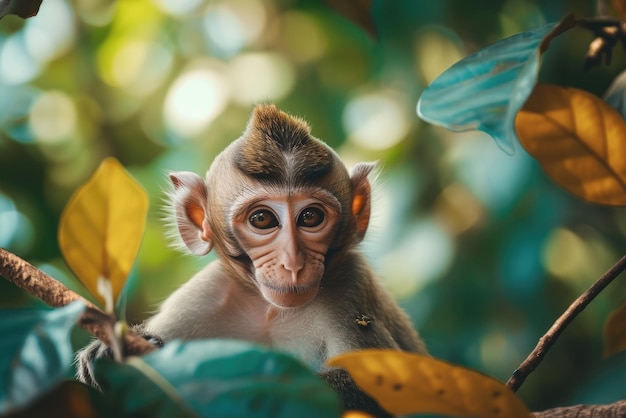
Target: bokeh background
{"x": 481, "y": 249}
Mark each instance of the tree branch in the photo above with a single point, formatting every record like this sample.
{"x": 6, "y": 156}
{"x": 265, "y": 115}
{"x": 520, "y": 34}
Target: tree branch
{"x": 614, "y": 410}
{"x": 55, "y": 294}
{"x": 550, "y": 337}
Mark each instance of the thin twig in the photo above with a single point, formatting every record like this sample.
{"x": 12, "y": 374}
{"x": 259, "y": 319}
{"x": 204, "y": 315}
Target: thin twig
{"x": 550, "y": 337}
{"x": 55, "y": 294}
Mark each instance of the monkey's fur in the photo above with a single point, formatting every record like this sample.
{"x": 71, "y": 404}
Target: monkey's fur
{"x": 289, "y": 274}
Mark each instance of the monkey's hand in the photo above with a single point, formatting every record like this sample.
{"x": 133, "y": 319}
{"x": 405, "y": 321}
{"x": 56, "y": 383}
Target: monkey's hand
{"x": 97, "y": 349}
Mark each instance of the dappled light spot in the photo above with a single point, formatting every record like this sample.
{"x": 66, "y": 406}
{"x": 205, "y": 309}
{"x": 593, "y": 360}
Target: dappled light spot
{"x": 496, "y": 179}
{"x": 577, "y": 258}
{"x": 96, "y": 13}
{"x": 457, "y": 209}
{"x": 52, "y": 33}
{"x": 500, "y": 347}
{"x": 422, "y": 256}
{"x": 230, "y": 26}
{"x": 436, "y": 49}
{"x": 16, "y": 233}
{"x": 134, "y": 56}
{"x": 377, "y": 120}
{"x": 15, "y": 104}
{"x": 260, "y": 76}
{"x": 17, "y": 65}
{"x": 303, "y": 39}
{"x": 517, "y": 16}
{"x": 44, "y": 38}
{"x": 179, "y": 7}
{"x": 8, "y": 217}
{"x": 140, "y": 66}
{"x": 194, "y": 100}
{"x": 53, "y": 117}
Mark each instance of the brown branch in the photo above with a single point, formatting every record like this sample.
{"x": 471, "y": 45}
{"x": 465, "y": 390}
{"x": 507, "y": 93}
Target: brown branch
{"x": 550, "y": 337}
{"x": 55, "y": 294}
{"x": 614, "y": 410}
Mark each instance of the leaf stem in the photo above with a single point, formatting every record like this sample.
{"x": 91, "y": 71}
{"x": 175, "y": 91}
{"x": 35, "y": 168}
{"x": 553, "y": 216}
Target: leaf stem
{"x": 550, "y": 337}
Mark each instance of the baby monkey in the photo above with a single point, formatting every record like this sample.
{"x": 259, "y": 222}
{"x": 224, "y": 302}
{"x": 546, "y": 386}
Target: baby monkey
{"x": 284, "y": 216}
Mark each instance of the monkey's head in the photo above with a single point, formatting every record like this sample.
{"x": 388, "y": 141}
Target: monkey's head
{"x": 276, "y": 204}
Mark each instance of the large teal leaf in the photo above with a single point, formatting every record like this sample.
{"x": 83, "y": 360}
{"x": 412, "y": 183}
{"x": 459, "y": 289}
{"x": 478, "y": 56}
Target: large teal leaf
{"x": 220, "y": 378}
{"x": 135, "y": 389}
{"x": 35, "y": 352}
{"x": 484, "y": 91}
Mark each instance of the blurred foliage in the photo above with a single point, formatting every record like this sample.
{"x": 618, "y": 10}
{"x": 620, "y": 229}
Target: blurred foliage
{"x": 482, "y": 250}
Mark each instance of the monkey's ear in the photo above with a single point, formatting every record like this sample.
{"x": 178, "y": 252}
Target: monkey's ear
{"x": 190, "y": 205}
{"x": 361, "y": 196}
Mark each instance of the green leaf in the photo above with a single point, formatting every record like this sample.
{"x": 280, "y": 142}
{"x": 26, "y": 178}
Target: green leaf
{"x": 35, "y": 352}
{"x": 221, "y": 378}
{"x": 484, "y": 91}
{"x": 134, "y": 389}
{"x": 243, "y": 379}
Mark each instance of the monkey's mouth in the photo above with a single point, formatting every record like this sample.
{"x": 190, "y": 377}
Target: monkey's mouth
{"x": 289, "y": 296}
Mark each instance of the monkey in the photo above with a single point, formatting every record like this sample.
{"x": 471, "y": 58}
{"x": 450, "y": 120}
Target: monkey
{"x": 285, "y": 218}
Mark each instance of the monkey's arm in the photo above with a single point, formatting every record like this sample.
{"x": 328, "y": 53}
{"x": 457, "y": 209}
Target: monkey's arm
{"x": 177, "y": 318}
{"x": 353, "y": 398}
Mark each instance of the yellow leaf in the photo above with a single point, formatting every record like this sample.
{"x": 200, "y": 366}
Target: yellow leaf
{"x": 579, "y": 140}
{"x": 101, "y": 228}
{"x": 407, "y": 383}
{"x": 615, "y": 331}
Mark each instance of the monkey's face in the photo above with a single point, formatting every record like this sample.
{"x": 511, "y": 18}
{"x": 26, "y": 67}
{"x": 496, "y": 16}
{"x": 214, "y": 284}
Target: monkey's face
{"x": 287, "y": 236}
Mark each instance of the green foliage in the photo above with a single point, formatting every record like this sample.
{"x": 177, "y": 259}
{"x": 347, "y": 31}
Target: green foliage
{"x": 261, "y": 380}
{"x": 197, "y": 378}
{"x": 35, "y": 352}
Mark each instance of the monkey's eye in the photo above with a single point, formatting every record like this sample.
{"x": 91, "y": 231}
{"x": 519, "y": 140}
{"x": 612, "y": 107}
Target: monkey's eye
{"x": 263, "y": 219}
{"x": 310, "y": 217}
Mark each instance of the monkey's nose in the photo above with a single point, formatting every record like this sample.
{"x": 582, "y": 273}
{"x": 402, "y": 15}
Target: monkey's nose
{"x": 293, "y": 265}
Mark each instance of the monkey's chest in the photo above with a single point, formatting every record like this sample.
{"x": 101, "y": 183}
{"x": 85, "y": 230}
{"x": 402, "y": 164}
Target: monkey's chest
{"x": 292, "y": 331}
